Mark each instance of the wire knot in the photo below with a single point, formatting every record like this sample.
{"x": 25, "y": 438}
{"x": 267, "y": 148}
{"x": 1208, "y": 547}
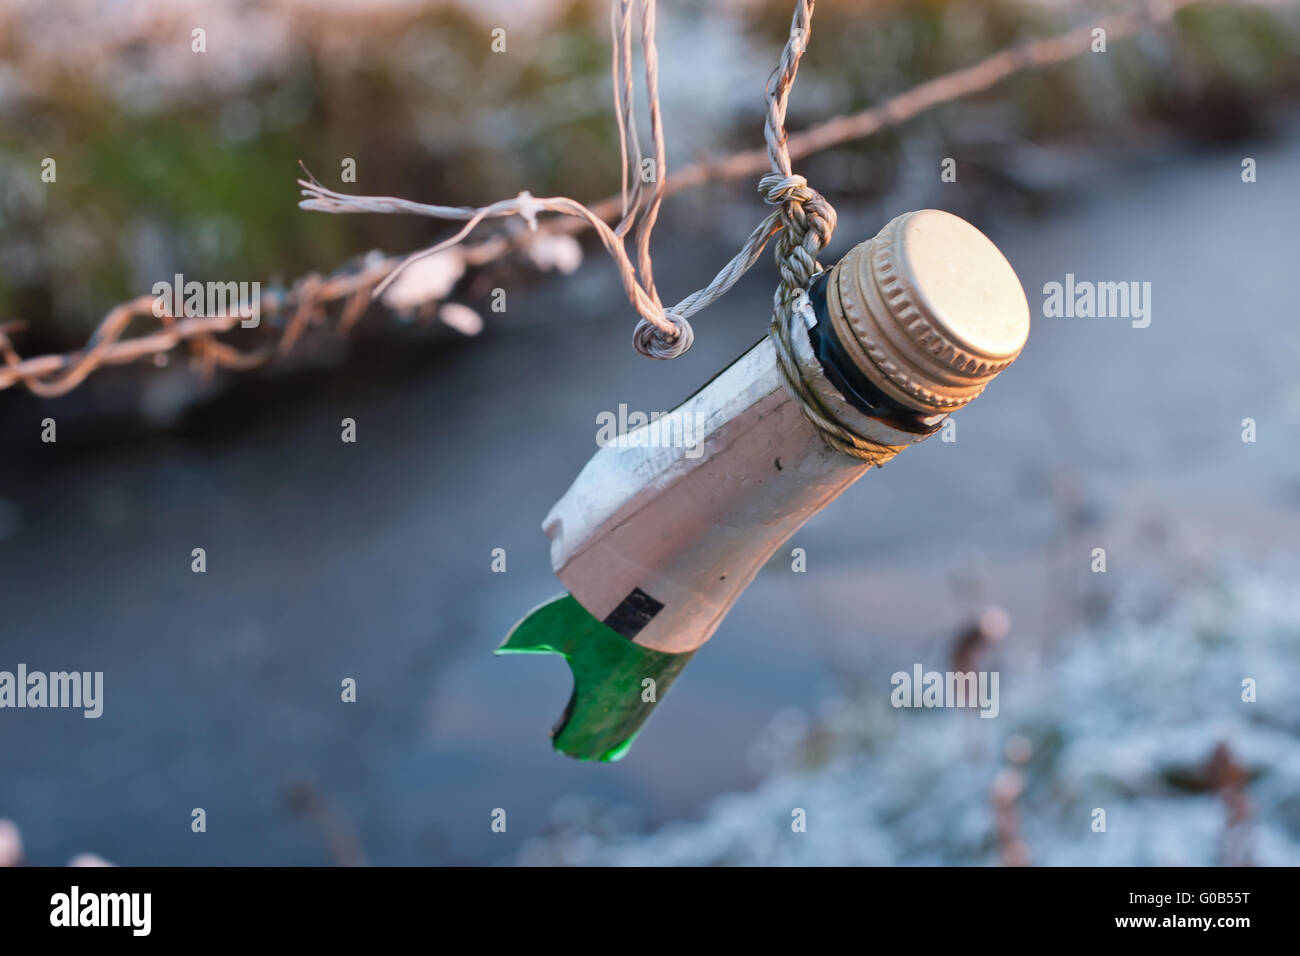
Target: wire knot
{"x": 807, "y": 224}
{"x": 652, "y": 342}
{"x": 778, "y": 189}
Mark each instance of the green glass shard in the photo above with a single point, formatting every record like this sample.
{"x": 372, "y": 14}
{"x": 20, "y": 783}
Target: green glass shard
{"x": 607, "y": 708}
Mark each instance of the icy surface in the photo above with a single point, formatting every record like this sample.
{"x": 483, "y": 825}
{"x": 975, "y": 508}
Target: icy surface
{"x": 1123, "y": 718}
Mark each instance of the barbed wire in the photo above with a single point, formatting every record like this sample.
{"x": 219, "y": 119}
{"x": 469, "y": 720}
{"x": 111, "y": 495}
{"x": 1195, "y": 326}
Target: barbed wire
{"x": 306, "y": 302}
{"x": 49, "y": 376}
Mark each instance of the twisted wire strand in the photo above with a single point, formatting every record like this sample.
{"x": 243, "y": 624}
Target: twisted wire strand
{"x": 805, "y": 220}
{"x": 807, "y": 223}
{"x": 629, "y": 145}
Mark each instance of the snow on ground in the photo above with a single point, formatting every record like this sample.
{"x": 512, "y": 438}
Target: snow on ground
{"x": 1122, "y": 718}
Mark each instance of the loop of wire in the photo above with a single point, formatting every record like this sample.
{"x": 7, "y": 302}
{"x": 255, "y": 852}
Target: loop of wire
{"x": 804, "y": 218}
{"x": 653, "y": 343}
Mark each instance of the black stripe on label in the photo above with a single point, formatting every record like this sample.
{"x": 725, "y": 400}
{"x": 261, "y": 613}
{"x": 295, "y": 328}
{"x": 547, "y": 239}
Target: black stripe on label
{"x": 633, "y": 613}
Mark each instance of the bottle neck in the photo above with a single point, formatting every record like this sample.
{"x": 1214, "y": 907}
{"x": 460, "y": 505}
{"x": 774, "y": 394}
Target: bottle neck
{"x": 851, "y": 382}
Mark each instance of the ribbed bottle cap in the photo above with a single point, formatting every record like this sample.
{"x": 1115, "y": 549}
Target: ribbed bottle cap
{"x": 929, "y": 310}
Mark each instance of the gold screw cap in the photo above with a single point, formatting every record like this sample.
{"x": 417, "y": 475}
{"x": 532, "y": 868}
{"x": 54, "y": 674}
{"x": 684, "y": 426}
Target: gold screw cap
{"x": 929, "y": 310}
